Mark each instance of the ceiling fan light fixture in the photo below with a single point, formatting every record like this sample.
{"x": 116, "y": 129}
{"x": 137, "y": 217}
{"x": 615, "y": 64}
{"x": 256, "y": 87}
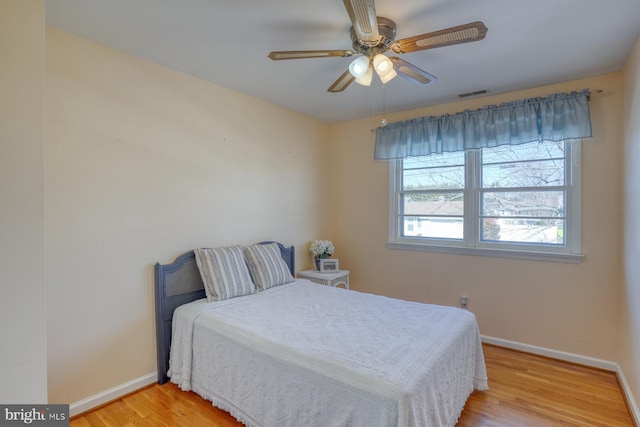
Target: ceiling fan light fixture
{"x": 365, "y": 80}
{"x": 384, "y": 68}
{"x": 359, "y": 66}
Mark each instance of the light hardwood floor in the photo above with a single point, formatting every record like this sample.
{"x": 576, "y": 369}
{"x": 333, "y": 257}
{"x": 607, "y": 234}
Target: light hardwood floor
{"x": 525, "y": 391}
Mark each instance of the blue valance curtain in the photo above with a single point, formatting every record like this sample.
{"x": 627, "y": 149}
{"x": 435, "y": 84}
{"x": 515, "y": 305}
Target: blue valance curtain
{"x": 557, "y": 117}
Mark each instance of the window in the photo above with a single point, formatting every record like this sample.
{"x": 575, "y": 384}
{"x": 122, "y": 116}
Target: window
{"x": 518, "y": 201}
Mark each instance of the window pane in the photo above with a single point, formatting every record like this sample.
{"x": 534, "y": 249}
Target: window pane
{"x": 530, "y": 231}
{"x": 433, "y": 178}
{"x": 523, "y": 204}
{"x": 437, "y": 228}
{"x": 516, "y": 199}
{"x": 524, "y": 174}
{"x": 433, "y": 204}
{"x": 531, "y": 151}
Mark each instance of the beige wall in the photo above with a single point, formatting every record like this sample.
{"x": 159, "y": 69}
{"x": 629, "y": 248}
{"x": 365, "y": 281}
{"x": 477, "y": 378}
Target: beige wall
{"x": 23, "y": 351}
{"x": 567, "y": 307}
{"x": 630, "y": 353}
{"x": 142, "y": 164}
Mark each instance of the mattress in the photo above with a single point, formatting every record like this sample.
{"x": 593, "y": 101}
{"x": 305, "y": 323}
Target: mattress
{"x": 307, "y": 354}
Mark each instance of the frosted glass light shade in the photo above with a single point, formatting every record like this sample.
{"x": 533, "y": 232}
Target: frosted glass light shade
{"x": 388, "y": 76}
{"x": 384, "y": 68}
{"x": 359, "y": 66}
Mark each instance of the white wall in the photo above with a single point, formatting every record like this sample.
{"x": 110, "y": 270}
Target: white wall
{"x": 142, "y": 164}
{"x": 567, "y": 307}
{"x": 630, "y": 354}
{"x": 23, "y": 351}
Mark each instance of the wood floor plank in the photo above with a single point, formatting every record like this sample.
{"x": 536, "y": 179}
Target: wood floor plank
{"x": 525, "y": 391}
{"x": 529, "y": 390}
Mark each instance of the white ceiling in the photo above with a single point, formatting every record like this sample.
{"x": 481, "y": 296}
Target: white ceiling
{"x": 529, "y": 43}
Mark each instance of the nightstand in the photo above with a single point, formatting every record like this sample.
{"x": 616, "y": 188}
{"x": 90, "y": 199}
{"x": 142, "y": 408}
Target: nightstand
{"x": 339, "y": 278}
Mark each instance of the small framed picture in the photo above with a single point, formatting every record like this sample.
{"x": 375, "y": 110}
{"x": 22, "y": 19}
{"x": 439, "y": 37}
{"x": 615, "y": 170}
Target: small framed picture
{"x": 328, "y": 265}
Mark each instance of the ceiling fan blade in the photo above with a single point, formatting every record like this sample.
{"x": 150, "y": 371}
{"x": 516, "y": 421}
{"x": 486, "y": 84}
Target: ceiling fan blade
{"x": 411, "y": 72}
{"x": 301, "y": 54}
{"x": 466, "y": 33}
{"x": 363, "y": 18}
{"x": 341, "y": 84}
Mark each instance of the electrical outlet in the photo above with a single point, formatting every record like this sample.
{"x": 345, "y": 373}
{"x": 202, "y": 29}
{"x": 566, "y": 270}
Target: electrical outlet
{"x": 463, "y": 301}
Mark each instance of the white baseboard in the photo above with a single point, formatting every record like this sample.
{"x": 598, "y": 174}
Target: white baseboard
{"x": 631, "y": 401}
{"x": 555, "y": 354}
{"x": 113, "y": 393}
{"x": 575, "y": 358}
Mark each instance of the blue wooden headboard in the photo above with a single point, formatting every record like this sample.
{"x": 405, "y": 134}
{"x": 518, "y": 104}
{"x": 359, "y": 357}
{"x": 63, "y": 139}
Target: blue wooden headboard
{"x": 178, "y": 283}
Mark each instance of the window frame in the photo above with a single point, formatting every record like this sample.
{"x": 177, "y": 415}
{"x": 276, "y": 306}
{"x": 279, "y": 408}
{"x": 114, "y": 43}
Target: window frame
{"x": 571, "y": 252}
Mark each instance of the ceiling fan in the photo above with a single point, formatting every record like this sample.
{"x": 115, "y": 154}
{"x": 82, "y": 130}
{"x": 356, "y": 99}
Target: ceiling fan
{"x": 373, "y": 36}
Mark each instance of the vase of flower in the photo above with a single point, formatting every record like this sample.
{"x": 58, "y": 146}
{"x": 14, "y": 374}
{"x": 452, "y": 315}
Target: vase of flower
{"x": 321, "y": 249}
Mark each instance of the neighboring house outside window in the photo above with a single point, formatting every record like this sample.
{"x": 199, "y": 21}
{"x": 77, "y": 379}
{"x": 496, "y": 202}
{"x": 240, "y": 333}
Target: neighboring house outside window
{"x": 520, "y": 201}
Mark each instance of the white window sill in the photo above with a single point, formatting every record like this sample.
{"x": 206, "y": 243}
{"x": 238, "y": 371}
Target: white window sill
{"x": 489, "y": 252}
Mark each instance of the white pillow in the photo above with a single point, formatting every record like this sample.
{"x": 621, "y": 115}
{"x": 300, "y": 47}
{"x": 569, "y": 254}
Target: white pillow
{"x": 266, "y": 266}
{"x": 224, "y": 272}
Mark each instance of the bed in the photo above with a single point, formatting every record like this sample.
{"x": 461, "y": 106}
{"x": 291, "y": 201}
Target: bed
{"x": 301, "y": 353}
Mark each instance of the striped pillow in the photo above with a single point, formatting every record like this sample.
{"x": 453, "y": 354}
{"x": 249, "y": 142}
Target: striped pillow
{"x": 224, "y": 273}
{"x": 267, "y": 266}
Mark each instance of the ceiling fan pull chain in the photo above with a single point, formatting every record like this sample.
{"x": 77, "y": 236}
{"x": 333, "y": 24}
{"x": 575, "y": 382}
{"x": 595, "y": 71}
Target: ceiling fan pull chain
{"x": 383, "y": 122}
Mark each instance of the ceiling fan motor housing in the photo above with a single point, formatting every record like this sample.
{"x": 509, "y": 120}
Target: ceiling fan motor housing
{"x": 387, "y": 31}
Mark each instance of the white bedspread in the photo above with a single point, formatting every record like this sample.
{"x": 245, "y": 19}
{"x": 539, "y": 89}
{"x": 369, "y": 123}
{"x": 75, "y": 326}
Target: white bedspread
{"x": 304, "y": 354}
